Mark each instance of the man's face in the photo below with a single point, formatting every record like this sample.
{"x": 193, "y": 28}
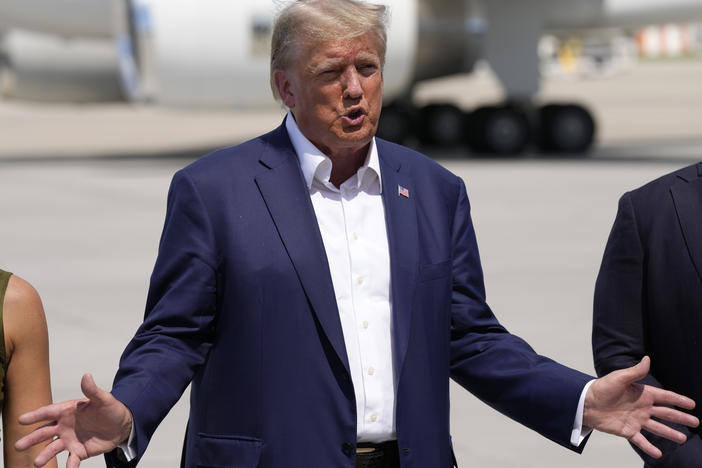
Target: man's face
{"x": 335, "y": 92}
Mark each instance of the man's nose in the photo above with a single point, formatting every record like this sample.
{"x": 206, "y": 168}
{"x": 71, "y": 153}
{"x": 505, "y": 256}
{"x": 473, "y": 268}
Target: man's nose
{"x": 352, "y": 84}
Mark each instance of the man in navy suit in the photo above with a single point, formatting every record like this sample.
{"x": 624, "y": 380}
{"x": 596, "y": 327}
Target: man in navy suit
{"x": 648, "y": 297}
{"x": 318, "y": 287}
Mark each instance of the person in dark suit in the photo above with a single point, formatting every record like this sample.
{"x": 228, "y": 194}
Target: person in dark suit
{"x": 318, "y": 287}
{"x": 648, "y": 295}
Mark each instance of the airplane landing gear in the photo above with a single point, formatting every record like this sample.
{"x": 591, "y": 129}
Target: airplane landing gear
{"x": 441, "y": 124}
{"x": 565, "y": 128}
{"x": 498, "y": 130}
{"x": 396, "y": 122}
{"x": 507, "y": 129}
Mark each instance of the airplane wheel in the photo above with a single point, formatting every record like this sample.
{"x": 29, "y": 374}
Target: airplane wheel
{"x": 567, "y": 128}
{"x": 395, "y": 123}
{"x": 441, "y": 124}
{"x": 498, "y": 130}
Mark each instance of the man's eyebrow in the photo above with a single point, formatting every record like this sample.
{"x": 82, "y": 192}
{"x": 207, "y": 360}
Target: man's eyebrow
{"x": 325, "y": 64}
{"x": 368, "y": 57}
{"x": 332, "y": 63}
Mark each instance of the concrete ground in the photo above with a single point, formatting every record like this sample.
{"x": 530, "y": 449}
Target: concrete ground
{"x": 83, "y": 197}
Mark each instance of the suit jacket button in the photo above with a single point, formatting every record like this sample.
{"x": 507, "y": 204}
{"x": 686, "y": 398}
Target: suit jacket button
{"x": 347, "y": 449}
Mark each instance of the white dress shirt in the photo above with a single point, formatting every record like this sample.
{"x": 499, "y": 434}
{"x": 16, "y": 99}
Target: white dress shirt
{"x": 351, "y": 220}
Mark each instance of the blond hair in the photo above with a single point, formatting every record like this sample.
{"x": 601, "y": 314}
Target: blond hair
{"x": 316, "y": 21}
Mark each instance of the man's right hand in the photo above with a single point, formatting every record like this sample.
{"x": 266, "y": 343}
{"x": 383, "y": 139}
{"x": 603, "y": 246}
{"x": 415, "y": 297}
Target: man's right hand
{"x": 85, "y": 427}
{"x": 617, "y": 404}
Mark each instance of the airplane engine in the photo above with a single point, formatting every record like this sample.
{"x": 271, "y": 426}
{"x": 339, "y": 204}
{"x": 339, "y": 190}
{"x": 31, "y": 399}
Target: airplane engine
{"x": 65, "y": 18}
{"x": 46, "y": 67}
{"x": 58, "y": 50}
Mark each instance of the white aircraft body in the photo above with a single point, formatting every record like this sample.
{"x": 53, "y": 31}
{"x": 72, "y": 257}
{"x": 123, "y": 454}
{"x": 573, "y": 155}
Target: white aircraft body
{"x": 214, "y": 53}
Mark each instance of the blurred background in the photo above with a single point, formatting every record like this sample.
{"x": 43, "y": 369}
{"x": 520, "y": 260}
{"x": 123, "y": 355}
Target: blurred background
{"x": 548, "y": 109}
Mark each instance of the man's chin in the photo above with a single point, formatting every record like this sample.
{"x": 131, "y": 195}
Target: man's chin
{"x": 359, "y": 133}
{"x": 356, "y": 141}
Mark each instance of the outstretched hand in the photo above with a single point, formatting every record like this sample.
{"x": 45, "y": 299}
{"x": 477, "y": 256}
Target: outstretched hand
{"x": 85, "y": 427}
{"x": 618, "y": 405}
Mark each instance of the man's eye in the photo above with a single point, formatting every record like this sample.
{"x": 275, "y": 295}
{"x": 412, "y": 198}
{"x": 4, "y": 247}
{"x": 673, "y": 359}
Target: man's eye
{"x": 367, "y": 69}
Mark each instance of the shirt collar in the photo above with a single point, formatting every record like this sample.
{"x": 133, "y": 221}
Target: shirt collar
{"x": 317, "y": 166}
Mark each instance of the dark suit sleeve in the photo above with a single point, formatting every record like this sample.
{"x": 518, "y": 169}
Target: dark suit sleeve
{"x": 618, "y": 339}
{"x": 617, "y": 336}
{"x": 178, "y": 327}
{"x": 500, "y": 368}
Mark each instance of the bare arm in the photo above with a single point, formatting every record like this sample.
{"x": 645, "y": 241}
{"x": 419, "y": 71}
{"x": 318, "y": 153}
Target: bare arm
{"x": 84, "y": 427}
{"x": 28, "y": 383}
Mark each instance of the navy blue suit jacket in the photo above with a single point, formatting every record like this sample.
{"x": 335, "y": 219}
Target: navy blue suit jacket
{"x": 241, "y": 304}
{"x": 648, "y": 296}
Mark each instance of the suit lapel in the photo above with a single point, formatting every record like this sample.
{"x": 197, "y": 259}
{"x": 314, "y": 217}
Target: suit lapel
{"x": 287, "y": 198}
{"x": 688, "y": 204}
{"x": 401, "y": 222}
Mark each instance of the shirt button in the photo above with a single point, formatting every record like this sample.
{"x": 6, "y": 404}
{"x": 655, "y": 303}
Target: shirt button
{"x": 371, "y": 371}
{"x": 355, "y": 236}
{"x": 365, "y": 324}
{"x": 359, "y": 281}
{"x": 374, "y": 417}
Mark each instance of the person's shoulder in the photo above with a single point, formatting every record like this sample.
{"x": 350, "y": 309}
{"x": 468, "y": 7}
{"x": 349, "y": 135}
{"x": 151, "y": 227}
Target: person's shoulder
{"x": 237, "y": 159}
{"x": 664, "y": 182}
{"x": 419, "y": 165}
{"x": 20, "y": 294}
{"x": 23, "y": 313}
{"x": 658, "y": 189}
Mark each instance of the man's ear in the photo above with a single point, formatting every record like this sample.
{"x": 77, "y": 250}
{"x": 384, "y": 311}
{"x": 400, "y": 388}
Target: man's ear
{"x": 282, "y": 82}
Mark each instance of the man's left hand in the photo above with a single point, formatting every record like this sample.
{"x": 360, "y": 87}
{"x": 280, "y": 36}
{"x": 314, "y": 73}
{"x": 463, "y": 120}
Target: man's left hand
{"x": 618, "y": 405}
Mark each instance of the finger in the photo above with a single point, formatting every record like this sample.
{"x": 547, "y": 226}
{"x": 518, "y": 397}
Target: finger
{"x": 674, "y": 416}
{"x": 92, "y": 391}
{"x": 666, "y": 397}
{"x": 35, "y": 437}
{"x": 73, "y": 461}
{"x": 662, "y": 430}
{"x": 45, "y": 413}
{"x": 641, "y": 442}
{"x": 635, "y": 373}
{"x": 49, "y": 452}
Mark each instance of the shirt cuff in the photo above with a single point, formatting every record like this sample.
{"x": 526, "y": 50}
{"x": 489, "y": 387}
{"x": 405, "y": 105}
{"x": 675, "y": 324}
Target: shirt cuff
{"x": 129, "y": 450}
{"x": 579, "y": 432}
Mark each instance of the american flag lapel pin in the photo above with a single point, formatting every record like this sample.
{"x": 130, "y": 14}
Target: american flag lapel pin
{"x": 402, "y": 191}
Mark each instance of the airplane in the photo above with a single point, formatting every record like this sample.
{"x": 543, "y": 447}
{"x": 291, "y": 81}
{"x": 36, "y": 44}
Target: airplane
{"x": 214, "y": 53}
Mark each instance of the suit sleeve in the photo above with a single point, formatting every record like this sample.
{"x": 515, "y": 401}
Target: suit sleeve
{"x": 618, "y": 336}
{"x": 178, "y": 328}
{"x": 500, "y": 368}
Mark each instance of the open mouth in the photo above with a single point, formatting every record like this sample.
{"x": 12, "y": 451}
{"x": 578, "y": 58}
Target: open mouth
{"x": 355, "y": 117}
